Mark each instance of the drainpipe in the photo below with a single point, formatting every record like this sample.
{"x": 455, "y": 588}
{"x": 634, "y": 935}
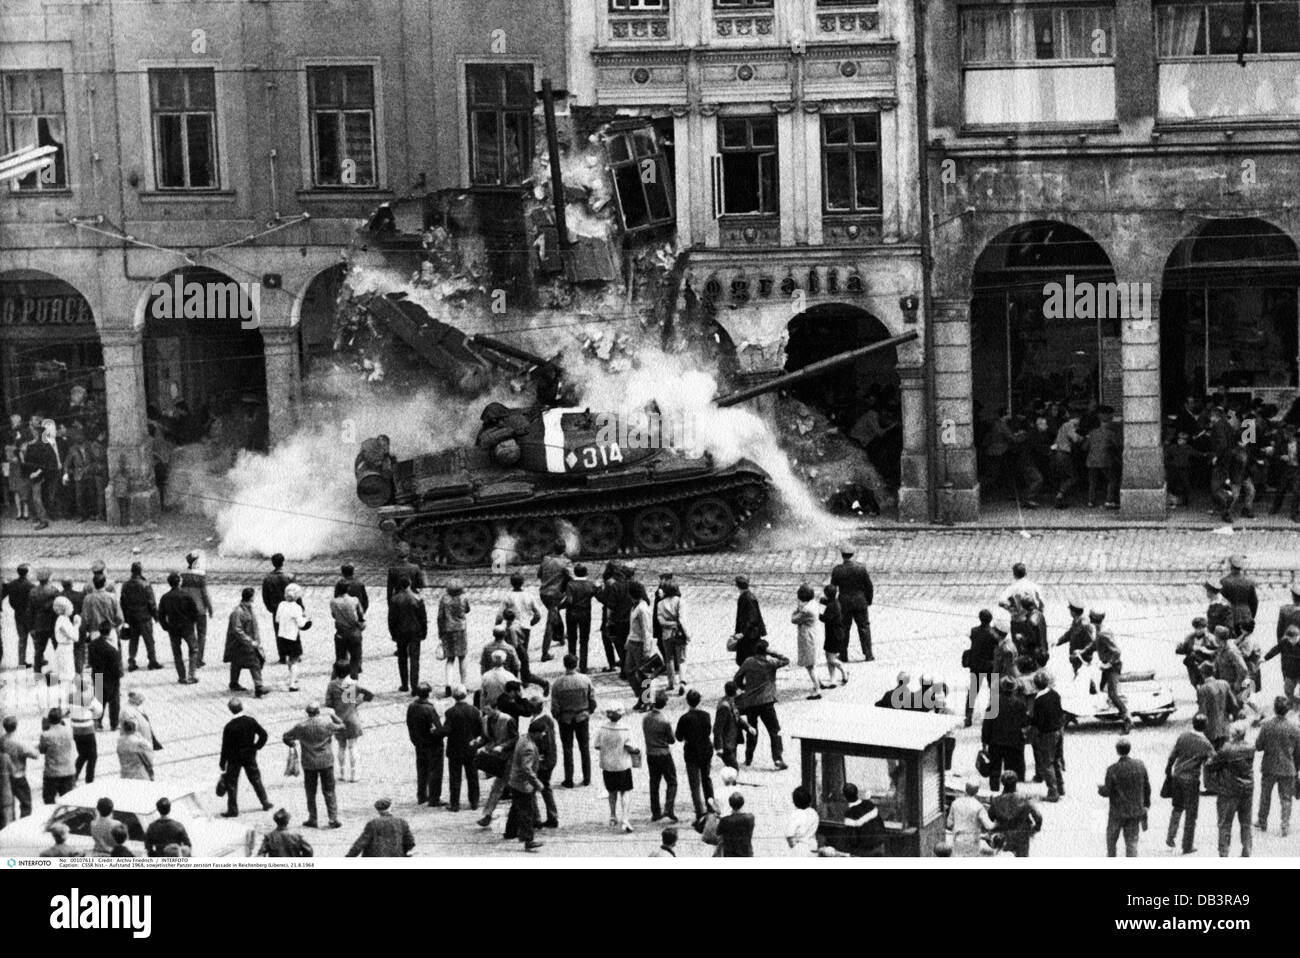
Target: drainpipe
{"x": 934, "y": 454}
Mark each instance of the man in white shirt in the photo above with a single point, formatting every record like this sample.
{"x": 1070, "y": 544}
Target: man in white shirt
{"x": 1021, "y": 586}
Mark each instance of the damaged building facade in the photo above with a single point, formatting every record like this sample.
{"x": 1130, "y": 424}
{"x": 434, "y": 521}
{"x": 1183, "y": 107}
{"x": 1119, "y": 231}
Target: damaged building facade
{"x": 788, "y": 128}
{"x": 1145, "y": 144}
{"x": 235, "y": 147}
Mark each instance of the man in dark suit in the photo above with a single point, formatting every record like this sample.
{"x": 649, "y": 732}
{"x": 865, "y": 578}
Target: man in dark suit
{"x": 40, "y": 607}
{"x": 749, "y": 621}
{"x": 1239, "y": 591}
{"x": 463, "y": 725}
{"x": 355, "y": 588}
{"x": 856, "y": 594}
{"x": 241, "y": 740}
{"x": 105, "y": 662}
{"x": 179, "y": 614}
{"x": 1046, "y": 723}
{"x": 1129, "y": 789}
{"x": 139, "y": 609}
{"x": 18, "y": 590}
{"x": 408, "y": 625}
{"x": 426, "y": 733}
{"x": 1002, "y": 733}
{"x": 273, "y": 586}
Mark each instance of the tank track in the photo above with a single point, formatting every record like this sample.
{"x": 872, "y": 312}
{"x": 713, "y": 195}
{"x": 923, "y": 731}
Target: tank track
{"x": 570, "y": 508}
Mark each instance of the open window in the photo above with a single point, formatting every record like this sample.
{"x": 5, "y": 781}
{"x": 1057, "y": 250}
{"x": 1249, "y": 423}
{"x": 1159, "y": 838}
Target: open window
{"x": 745, "y": 167}
{"x": 642, "y": 171}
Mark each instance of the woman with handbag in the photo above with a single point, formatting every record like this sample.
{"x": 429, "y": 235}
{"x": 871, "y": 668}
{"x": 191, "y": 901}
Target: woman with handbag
{"x": 67, "y": 631}
{"x": 618, "y": 756}
{"x": 291, "y": 620}
{"x": 804, "y": 619}
{"x": 344, "y": 695}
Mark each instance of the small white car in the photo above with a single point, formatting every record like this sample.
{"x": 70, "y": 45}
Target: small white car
{"x": 134, "y": 805}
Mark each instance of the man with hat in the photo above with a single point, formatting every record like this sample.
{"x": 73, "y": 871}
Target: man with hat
{"x": 856, "y": 594}
{"x": 1112, "y": 666}
{"x": 384, "y": 836}
{"x": 1079, "y": 638}
{"x": 40, "y": 606}
{"x": 424, "y": 728}
{"x": 139, "y": 609}
{"x": 1239, "y": 591}
{"x": 195, "y": 582}
{"x": 404, "y": 567}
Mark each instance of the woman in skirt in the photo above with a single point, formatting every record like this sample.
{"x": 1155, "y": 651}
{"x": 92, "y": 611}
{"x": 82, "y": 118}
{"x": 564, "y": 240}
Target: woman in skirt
{"x": 344, "y": 695}
{"x": 290, "y": 622}
{"x": 804, "y": 618}
{"x": 614, "y": 743}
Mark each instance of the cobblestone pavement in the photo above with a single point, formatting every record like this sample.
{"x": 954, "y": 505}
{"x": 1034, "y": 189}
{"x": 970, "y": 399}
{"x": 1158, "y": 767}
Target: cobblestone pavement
{"x": 930, "y": 583}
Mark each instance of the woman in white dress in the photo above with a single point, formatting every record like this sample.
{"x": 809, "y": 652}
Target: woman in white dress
{"x": 290, "y": 622}
{"x": 67, "y": 629}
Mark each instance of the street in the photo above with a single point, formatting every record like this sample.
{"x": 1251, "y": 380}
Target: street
{"x": 929, "y": 586}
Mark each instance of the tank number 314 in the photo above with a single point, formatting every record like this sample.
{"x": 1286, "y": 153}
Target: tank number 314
{"x": 592, "y": 457}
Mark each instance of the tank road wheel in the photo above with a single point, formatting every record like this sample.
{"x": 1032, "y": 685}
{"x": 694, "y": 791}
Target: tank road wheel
{"x": 424, "y": 542}
{"x": 656, "y": 529}
{"x": 709, "y": 522}
{"x": 750, "y": 498}
{"x": 600, "y": 534}
{"x": 533, "y": 539}
{"x": 468, "y": 543}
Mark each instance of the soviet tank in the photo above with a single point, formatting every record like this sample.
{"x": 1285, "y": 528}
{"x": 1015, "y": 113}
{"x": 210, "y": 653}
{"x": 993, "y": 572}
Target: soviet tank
{"x": 533, "y": 470}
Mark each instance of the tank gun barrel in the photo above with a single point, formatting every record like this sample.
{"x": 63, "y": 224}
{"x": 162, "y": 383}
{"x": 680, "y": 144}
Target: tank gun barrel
{"x": 816, "y": 369}
{"x": 505, "y": 349}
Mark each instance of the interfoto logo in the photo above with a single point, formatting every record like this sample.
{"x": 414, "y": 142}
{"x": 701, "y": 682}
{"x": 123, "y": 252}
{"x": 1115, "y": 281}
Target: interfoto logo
{"x": 75, "y": 911}
{"x": 190, "y": 299}
{"x": 1089, "y": 300}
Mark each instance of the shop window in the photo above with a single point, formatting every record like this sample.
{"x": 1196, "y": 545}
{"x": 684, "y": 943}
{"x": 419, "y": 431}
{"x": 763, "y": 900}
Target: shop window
{"x": 851, "y": 163}
{"x": 1038, "y": 64}
{"x": 500, "y": 97}
{"x": 745, "y": 169}
{"x": 635, "y": 6}
{"x": 642, "y": 178}
{"x": 184, "y": 107}
{"x": 1228, "y": 59}
{"x": 34, "y": 116}
{"x": 341, "y": 108}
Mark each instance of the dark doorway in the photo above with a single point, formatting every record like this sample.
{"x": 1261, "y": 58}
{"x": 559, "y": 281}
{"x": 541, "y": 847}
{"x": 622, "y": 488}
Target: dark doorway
{"x": 860, "y": 399}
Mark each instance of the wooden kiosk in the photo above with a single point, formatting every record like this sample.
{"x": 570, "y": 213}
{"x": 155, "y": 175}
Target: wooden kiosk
{"x": 896, "y": 760}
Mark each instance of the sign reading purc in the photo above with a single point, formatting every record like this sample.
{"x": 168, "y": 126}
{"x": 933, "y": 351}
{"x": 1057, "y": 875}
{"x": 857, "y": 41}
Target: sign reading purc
{"x": 70, "y": 310}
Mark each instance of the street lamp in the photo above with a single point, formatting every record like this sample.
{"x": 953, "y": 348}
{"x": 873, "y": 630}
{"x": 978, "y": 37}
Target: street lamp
{"x": 16, "y": 165}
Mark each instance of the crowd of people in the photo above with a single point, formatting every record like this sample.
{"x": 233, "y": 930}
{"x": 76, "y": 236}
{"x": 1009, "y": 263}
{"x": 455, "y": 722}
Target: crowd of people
{"x": 56, "y": 469}
{"x": 1224, "y": 661}
{"x": 1215, "y": 451}
{"x": 504, "y": 741}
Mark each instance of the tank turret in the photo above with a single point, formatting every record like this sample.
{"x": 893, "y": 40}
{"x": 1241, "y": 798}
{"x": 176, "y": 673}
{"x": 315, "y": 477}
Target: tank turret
{"x": 536, "y": 473}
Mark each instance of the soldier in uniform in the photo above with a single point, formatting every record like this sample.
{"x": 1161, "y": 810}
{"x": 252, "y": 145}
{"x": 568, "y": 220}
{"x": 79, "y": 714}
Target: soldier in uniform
{"x": 1078, "y": 639}
{"x": 1239, "y": 591}
{"x": 1112, "y": 667}
{"x": 195, "y": 582}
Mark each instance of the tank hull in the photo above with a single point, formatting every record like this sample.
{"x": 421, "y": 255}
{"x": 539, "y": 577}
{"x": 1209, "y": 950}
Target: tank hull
{"x": 674, "y": 506}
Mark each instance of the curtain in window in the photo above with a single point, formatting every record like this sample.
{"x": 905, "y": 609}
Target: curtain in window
{"x": 988, "y": 36}
{"x": 1180, "y": 28}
